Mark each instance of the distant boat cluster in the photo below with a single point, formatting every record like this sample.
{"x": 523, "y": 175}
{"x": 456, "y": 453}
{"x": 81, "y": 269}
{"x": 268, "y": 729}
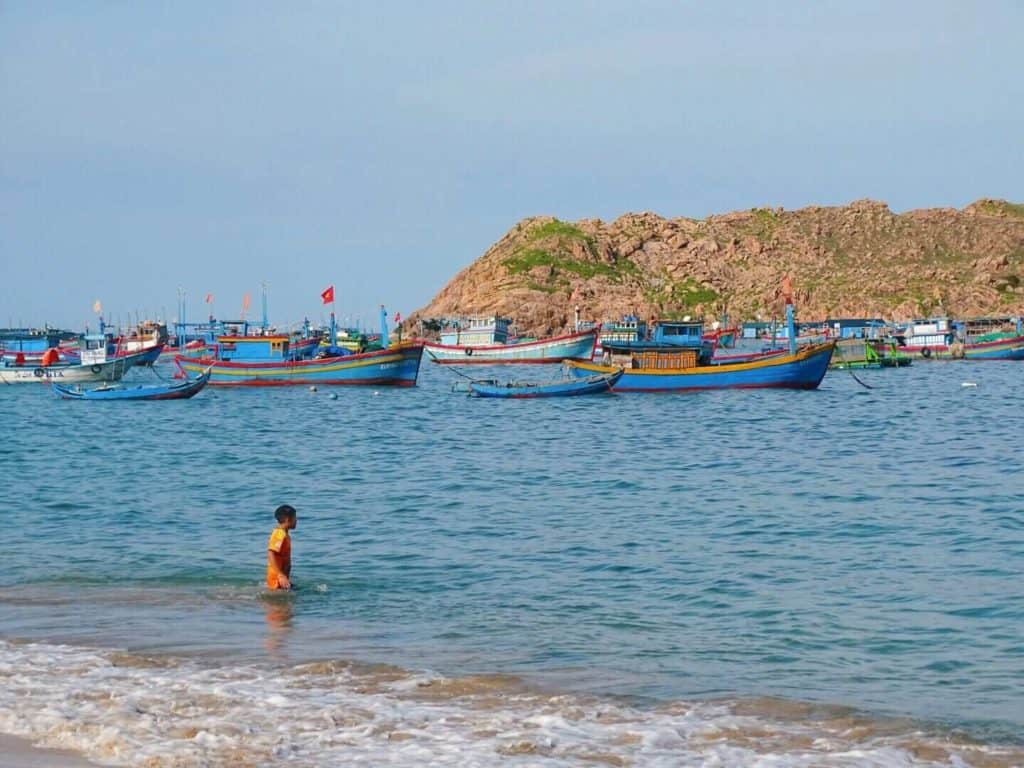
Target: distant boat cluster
{"x": 626, "y": 355}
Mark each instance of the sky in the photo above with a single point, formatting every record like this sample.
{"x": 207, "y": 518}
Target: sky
{"x": 151, "y": 150}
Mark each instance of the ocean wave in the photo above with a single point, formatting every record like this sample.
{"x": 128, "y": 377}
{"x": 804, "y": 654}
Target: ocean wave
{"x": 164, "y": 712}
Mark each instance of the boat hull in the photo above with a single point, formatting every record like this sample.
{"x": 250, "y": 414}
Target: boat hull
{"x": 591, "y": 385}
{"x": 1001, "y": 349}
{"x": 175, "y": 391}
{"x": 111, "y": 370}
{"x": 395, "y": 366}
{"x": 575, "y": 346}
{"x": 804, "y": 370}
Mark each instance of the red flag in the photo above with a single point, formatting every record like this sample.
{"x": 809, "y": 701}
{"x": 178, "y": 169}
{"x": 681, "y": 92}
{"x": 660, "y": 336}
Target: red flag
{"x": 245, "y": 302}
{"x": 328, "y": 295}
{"x": 398, "y": 317}
{"x": 209, "y": 298}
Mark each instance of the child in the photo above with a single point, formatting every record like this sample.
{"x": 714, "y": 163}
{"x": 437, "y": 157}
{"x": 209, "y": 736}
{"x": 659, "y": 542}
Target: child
{"x": 279, "y": 549}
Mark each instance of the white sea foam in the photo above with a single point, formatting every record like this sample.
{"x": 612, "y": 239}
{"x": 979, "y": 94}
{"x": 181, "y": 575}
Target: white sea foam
{"x": 124, "y": 709}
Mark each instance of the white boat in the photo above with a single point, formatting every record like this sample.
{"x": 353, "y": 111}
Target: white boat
{"x": 573, "y": 346}
{"x": 95, "y": 366}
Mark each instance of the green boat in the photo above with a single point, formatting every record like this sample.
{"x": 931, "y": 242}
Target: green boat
{"x": 868, "y": 353}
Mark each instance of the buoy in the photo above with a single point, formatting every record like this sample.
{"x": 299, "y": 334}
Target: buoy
{"x": 313, "y": 388}
{"x": 969, "y": 384}
{"x": 376, "y": 393}
{"x": 333, "y": 396}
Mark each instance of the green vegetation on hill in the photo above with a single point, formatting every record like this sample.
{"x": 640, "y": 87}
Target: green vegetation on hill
{"x": 763, "y": 223}
{"x": 675, "y": 299}
{"x": 558, "y": 257}
{"x": 1002, "y": 208}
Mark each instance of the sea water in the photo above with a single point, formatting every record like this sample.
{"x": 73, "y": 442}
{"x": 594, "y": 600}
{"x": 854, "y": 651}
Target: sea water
{"x": 729, "y": 578}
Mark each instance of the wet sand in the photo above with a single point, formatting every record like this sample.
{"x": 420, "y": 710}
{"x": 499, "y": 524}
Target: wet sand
{"x": 19, "y": 753}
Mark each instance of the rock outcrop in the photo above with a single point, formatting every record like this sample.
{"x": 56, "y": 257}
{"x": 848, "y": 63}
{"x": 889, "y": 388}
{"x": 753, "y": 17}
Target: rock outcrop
{"x": 859, "y": 260}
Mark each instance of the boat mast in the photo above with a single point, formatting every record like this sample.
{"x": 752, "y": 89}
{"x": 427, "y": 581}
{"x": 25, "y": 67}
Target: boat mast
{"x": 263, "y": 289}
{"x": 787, "y": 292}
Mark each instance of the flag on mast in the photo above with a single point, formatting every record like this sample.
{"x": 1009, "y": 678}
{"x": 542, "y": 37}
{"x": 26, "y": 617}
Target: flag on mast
{"x": 97, "y": 307}
{"x": 245, "y": 303}
{"x": 328, "y": 295}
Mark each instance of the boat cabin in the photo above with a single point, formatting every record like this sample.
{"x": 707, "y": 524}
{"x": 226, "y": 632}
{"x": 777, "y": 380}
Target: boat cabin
{"x": 94, "y": 348}
{"x": 679, "y": 334}
{"x": 257, "y": 349}
{"x": 855, "y": 328}
{"x": 476, "y": 332}
{"x": 936, "y": 332}
{"x": 627, "y": 330}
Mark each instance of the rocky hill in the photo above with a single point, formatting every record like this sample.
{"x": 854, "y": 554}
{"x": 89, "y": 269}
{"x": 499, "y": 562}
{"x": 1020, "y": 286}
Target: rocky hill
{"x": 859, "y": 260}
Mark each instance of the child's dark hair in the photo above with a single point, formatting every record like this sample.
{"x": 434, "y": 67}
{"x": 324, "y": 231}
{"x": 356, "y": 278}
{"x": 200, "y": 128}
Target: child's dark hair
{"x": 284, "y": 512}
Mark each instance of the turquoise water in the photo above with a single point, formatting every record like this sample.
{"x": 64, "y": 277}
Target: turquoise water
{"x": 846, "y": 547}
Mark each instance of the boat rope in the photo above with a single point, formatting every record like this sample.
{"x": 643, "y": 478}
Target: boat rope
{"x": 452, "y": 368}
{"x": 159, "y": 375}
{"x": 849, "y": 370}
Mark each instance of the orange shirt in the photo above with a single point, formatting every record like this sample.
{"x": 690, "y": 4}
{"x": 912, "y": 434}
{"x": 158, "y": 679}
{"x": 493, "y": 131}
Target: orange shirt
{"x": 281, "y": 543}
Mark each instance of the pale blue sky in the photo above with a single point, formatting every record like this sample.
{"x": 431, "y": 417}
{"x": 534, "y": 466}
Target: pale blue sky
{"x": 382, "y": 146}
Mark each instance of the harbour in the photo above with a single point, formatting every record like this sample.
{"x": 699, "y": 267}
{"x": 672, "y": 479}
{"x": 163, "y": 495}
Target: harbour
{"x": 777, "y": 579}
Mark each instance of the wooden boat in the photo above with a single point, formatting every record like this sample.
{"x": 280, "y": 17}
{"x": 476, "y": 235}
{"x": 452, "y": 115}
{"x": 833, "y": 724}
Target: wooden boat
{"x": 668, "y": 371}
{"x": 95, "y": 366}
{"x": 573, "y": 346}
{"x": 265, "y": 361}
{"x": 940, "y": 339}
{"x": 745, "y": 357}
{"x": 26, "y": 346}
{"x": 589, "y": 385}
{"x": 868, "y": 353}
{"x": 179, "y": 390}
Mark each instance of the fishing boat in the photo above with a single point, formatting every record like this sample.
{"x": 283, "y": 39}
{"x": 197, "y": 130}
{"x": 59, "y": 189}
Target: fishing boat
{"x": 95, "y": 366}
{"x": 266, "y": 361}
{"x": 26, "y": 346}
{"x": 485, "y": 341}
{"x": 687, "y": 366}
{"x": 663, "y": 371}
{"x": 568, "y": 387}
{"x": 868, "y": 353}
{"x": 940, "y": 339}
{"x": 179, "y": 390}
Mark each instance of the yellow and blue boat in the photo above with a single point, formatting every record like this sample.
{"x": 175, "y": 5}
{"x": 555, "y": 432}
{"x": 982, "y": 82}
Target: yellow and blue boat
{"x": 680, "y": 360}
{"x": 674, "y": 371}
{"x": 266, "y": 361}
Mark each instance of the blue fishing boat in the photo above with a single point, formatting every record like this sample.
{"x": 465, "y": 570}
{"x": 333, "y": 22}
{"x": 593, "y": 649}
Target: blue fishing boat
{"x": 570, "y": 387}
{"x": 687, "y": 365}
{"x": 179, "y": 390}
{"x": 264, "y": 361}
{"x": 659, "y": 372}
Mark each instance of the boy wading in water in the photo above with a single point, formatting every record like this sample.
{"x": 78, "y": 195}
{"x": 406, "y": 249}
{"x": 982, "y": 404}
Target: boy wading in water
{"x": 279, "y": 549}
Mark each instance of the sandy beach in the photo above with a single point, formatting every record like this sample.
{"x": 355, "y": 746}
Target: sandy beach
{"x": 19, "y": 753}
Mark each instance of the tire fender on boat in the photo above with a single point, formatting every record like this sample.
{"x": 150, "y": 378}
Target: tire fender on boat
{"x": 469, "y": 353}
{"x": 96, "y": 369}
{"x": 926, "y": 353}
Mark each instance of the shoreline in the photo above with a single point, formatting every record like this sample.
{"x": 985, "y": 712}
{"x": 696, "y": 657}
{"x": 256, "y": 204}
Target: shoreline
{"x": 19, "y": 752}
{"x": 342, "y": 709}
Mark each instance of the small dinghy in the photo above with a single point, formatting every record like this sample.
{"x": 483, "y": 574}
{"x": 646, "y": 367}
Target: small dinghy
{"x": 173, "y": 391}
{"x": 591, "y": 385}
